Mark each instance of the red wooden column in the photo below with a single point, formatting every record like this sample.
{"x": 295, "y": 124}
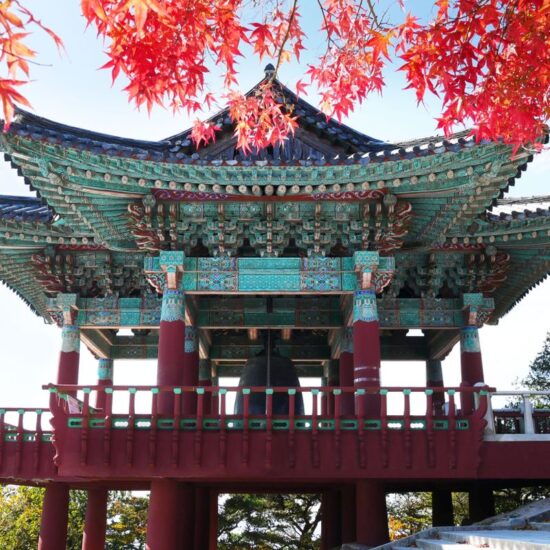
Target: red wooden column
{"x": 347, "y": 511}
{"x": 172, "y": 325}
{"x": 202, "y": 518}
{"x": 330, "y": 519}
{"x": 215, "y": 382}
{"x": 331, "y": 380}
{"x": 166, "y": 517}
{"x": 371, "y": 514}
{"x": 213, "y": 521}
{"x": 55, "y": 513}
{"x": 471, "y": 364}
{"x": 366, "y": 333}
{"x": 346, "y": 370}
{"x": 434, "y": 379}
{"x": 95, "y": 522}
{"x": 205, "y": 381}
{"x": 55, "y": 508}
{"x": 104, "y": 378}
{"x": 69, "y": 357}
{"x": 171, "y": 346}
{"x": 190, "y": 372}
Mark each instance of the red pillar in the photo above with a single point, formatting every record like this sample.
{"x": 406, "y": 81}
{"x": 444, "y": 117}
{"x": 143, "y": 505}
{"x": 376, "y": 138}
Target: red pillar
{"x": 213, "y": 521}
{"x": 55, "y": 513}
{"x": 347, "y": 513}
{"x": 215, "y": 382}
{"x": 434, "y": 379}
{"x": 190, "y": 372}
{"x": 331, "y": 380}
{"x": 69, "y": 357}
{"x": 205, "y": 382}
{"x": 330, "y": 519}
{"x": 366, "y": 350}
{"x": 104, "y": 378}
{"x": 171, "y": 346}
{"x": 95, "y": 523}
{"x": 371, "y": 513}
{"x": 471, "y": 365}
{"x": 202, "y": 518}
{"x": 346, "y": 370}
{"x": 170, "y": 518}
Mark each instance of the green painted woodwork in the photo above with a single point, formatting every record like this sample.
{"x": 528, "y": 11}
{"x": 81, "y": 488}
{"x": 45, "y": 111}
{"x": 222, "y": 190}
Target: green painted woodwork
{"x": 443, "y": 251}
{"x": 292, "y": 313}
{"x": 306, "y": 423}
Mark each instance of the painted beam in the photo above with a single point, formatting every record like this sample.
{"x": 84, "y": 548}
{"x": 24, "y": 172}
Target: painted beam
{"x": 234, "y": 313}
{"x": 226, "y": 275}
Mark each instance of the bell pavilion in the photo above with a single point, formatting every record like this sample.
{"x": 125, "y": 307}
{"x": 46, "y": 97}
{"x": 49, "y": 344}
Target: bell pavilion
{"x": 304, "y": 261}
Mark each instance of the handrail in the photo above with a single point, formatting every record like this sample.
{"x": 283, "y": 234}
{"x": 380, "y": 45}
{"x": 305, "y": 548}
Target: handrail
{"x": 211, "y": 401}
{"x": 527, "y": 421}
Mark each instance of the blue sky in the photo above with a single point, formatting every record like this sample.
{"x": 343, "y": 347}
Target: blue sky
{"x": 71, "y": 89}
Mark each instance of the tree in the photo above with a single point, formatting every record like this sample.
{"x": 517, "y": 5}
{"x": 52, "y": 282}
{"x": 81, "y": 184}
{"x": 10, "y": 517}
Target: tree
{"x": 21, "y": 508}
{"x": 538, "y": 378}
{"x": 20, "y": 511}
{"x": 488, "y": 60}
{"x": 269, "y": 521}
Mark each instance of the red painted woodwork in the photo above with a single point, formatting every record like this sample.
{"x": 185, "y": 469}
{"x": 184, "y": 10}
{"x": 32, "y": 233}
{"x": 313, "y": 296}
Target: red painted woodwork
{"x": 346, "y": 379}
{"x": 53, "y": 524}
{"x": 372, "y": 517}
{"x": 24, "y": 453}
{"x": 213, "y": 521}
{"x": 347, "y": 518}
{"x": 100, "y": 401}
{"x": 95, "y": 522}
{"x": 366, "y": 365}
{"x": 167, "y": 516}
{"x": 471, "y": 367}
{"x": 330, "y": 519}
{"x": 389, "y": 450}
{"x": 171, "y": 361}
{"x": 434, "y": 379}
{"x": 190, "y": 377}
{"x": 202, "y": 518}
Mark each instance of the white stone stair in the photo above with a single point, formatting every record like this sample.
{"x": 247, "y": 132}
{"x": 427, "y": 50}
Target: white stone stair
{"x": 440, "y": 544}
{"x": 500, "y": 539}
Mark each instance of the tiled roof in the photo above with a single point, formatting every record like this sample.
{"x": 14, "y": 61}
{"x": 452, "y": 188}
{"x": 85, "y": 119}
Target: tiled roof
{"x": 24, "y": 209}
{"x": 328, "y": 142}
{"x": 526, "y": 214}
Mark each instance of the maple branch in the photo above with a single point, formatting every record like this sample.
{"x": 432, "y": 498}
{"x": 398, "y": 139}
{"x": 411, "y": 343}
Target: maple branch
{"x": 375, "y": 19}
{"x": 285, "y": 40}
{"x": 330, "y": 40}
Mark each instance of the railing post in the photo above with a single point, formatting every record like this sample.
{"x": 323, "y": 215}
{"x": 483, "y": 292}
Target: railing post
{"x": 489, "y": 417}
{"x": 528, "y": 422}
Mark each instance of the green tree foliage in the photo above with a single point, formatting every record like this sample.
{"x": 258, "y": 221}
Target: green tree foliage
{"x": 127, "y": 523}
{"x": 538, "y": 378}
{"x": 266, "y": 522}
{"x": 20, "y": 510}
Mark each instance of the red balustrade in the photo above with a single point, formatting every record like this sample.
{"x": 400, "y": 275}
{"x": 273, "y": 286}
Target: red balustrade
{"x": 130, "y": 437}
{"x": 26, "y": 449}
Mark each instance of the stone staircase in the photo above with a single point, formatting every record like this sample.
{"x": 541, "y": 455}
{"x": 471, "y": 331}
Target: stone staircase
{"x": 527, "y": 528}
{"x": 474, "y": 540}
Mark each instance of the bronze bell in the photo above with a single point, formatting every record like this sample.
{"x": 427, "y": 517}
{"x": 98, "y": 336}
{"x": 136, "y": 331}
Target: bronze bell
{"x": 269, "y": 370}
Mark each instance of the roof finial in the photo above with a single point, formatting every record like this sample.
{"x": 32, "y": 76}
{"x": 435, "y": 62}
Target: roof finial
{"x": 269, "y": 70}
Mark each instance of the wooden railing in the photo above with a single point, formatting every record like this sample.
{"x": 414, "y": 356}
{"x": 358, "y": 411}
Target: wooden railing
{"x": 194, "y": 431}
{"x": 524, "y": 417}
{"x": 25, "y": 442}
{"x": 392, "y": 408}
